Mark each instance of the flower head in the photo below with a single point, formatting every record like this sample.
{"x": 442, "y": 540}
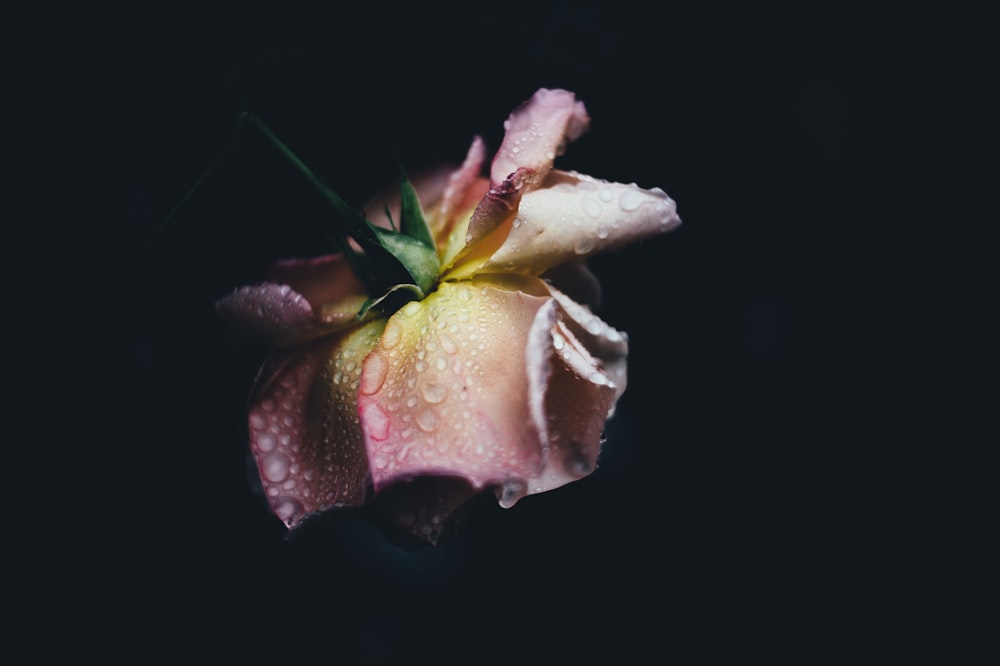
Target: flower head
{"x": 491, "y": 374}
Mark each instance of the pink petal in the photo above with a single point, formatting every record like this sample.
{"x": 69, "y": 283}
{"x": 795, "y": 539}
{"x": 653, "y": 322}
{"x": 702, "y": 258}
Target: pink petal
{"x": 572, "y": 216}
{"x": 444, "y": 393}
{"x": 465, "y": 188}
{"x": 577, "y": 400}
{"x": 321, "y": 280}
{"x": 304, "y": 431}
{"x": 608, "y": 346}
{"x": 537, "y": 132}
{"x": 280, "y": 316}
{"x": 316, "y": 297}
{"x": 430, "y": 184}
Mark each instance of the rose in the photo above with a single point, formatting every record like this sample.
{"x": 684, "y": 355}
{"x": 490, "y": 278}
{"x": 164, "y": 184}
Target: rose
{"x": 498, "y": 376}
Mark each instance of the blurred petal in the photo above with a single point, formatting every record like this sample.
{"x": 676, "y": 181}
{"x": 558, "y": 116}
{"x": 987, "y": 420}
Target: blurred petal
{"x": 576, "y": 280}
{"x": 321, "y": 280}
{"x": 466, "y": 187}
{"x": 537, "y": 132}
{"x": 304, "y": 430}
{"x": 280, "y": 316}
{"x": 443, "y": 394}
{"x": 573, "y": 216}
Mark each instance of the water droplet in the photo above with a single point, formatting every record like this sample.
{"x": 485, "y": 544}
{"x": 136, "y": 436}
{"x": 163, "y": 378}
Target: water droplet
{"x": 392, "y": 333}
{"x": 583, "y": 245}
{"x": 447, "y": 344}
{"x": 411, "y": 309}
{"x": 602, "y": 231}
{"x": 274, "y": 467}
{"x": 630, "y": 200}
{"x": 376, "y": 422}
{"x": 257, "y": 422}
{"x": 288, "y": 510}
{"x": 606, "y": 195}
{"x": 434, "y": 393}
{"x": 590, "y": 207}
{"x": 267, "y": 442}
{"x": 427, "y": 420}
{"x": 376, "y": 370}
{"x": 558, "y": 341}
{"x": 511, "y": 491}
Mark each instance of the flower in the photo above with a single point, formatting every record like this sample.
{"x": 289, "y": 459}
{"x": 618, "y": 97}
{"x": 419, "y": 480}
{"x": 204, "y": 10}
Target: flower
{"x": 498, "y": 376}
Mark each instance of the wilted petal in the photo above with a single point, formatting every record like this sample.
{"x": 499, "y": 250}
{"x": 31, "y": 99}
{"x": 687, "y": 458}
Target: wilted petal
{"x": 572, "y": 216}
{"x": 304, "y": 430}
{"x": 537, "y": 132}
{"x": 443, "y": 394}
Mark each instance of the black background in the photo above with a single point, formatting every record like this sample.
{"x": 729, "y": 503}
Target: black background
{"x": 751, "y": 501}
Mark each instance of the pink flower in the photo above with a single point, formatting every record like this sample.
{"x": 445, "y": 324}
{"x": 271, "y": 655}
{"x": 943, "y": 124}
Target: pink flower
{"x": 500, "y": 378}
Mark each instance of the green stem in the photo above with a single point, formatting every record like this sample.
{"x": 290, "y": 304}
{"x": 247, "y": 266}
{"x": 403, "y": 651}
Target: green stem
{"x": 357, "y": 226}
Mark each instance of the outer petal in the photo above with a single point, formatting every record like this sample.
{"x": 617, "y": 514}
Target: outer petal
{"x": 572, "y": 216}
{"x": 466, "y": 187}
{"x": 537, "y": 132}
{"x": 303, "y": 300}
{"x": 607, "y": 346}
{"x": 578, "y": 397}
{"x": 444, "y": 393}
{"x": 304, "y": 430}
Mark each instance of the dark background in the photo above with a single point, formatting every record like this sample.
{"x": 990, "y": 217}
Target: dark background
{"x": 753, "y": 495}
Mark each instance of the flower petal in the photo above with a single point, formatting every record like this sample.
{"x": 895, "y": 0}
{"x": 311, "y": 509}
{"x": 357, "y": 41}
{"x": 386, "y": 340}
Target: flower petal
{"x": 304, "y": 299}
{"x": 537, "y": 132}
{"x": 606, "y": 344}
{"x": 572, "y": 216}
{"x": 466, "y": 187}
{"x": 443, "y": 394}
{"x": 577, "y": 399}
{"x": 304, "y": 430}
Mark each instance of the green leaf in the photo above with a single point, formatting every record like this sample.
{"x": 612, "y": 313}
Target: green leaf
{"x": 411, "y": 217}
{"x": 419, "y": 260}
{"x": 392, "y": 300}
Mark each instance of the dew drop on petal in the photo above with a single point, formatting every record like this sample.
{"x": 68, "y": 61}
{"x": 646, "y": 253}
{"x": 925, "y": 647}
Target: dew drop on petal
{"x": 267, "y": 442}
{"x": 590, "y": 207}
{"x": 275, "y": 467}
{"x": 376, "y": 422}
{"x": 257, "y": 421}
{"x": 377, "y": 368}
{"x": 447, "y": 344}
{"x": 434, "y": 393}
{"x": 511, "y": 491}
{"x": 583, "y": 245}
{"x": 287, "y": 509}
{"x": 392, "y": 333}
{"x": 630, "y": 200}
{"x": 427, "y": 420}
